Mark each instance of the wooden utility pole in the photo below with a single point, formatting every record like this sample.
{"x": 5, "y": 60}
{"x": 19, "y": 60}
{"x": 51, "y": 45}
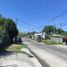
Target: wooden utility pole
{"x": 61, "y": 27}
{"x": 16, "y": 22}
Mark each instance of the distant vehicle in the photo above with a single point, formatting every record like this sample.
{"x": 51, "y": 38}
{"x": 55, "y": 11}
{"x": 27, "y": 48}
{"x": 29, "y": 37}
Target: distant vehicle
{"x": 39, "y": 38}
{"x": 18, "y": 40}
{"x": 65, "y": 40}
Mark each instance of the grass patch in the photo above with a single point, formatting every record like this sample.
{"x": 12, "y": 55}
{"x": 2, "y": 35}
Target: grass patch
{"x": 16, "y": 47}
{"x": 51, "y": 42}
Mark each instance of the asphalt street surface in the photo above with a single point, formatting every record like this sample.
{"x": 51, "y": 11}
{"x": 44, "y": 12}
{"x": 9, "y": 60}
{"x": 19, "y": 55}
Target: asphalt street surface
{"x": 61, "y": 53}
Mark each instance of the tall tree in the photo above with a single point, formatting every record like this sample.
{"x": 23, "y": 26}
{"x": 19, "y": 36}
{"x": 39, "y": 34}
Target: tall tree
{"x": 8, "y": 31}
{"x": 49, "y": 29}
{"x": 11, "y": 28}
{"x": 60, "y": 31}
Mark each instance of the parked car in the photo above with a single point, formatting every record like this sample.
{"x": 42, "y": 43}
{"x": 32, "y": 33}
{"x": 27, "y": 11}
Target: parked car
{"x": 18, "y": 40}
{"x": 65, "y": 40}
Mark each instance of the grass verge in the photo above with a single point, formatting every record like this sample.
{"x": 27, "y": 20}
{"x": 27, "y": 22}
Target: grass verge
{"x": 16, "y": 47}
{"x": 48, "y": 42}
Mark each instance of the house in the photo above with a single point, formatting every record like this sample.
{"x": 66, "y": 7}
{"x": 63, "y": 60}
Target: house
{"x": 41, "y": 34}
{"x": 57, "y": 38}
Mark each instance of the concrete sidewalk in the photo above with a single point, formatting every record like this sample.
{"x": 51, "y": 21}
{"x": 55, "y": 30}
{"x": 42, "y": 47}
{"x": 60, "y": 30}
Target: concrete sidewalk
{"x": 20, "y": 60}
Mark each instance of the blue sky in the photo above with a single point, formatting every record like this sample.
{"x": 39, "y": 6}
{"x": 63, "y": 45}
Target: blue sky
{"x": 34, "y": 12}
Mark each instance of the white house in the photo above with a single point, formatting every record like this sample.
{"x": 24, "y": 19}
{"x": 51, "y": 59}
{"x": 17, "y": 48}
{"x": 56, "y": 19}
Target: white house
{"x": 42, "y": 34}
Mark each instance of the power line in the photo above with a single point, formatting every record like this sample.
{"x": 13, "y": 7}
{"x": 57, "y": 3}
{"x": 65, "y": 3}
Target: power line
{"x": 41, "y": 26}
{"x": 37, "y": 26}
{"x": 31, "y": 26}
{"x": 49, "y": 21}
{"x": 54, "y": 18}
{"x": 29, "y": 23}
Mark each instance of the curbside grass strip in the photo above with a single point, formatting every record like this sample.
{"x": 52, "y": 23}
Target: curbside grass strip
{"x": 51, "y": 42}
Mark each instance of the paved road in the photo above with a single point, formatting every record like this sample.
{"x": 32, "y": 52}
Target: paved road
{"x": 57, "y": 52}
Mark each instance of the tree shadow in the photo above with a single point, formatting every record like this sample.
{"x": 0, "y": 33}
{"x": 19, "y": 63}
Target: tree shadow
{"x": 4, "y": 53}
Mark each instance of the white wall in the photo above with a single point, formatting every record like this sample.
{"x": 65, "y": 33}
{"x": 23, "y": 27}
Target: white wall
{"x": 57, "y": 39}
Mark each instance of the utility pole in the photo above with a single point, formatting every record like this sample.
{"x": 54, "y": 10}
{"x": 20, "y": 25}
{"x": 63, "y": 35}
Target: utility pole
{"x": 16, "y": 22}
{"x": 61, "y": 27}
{"x": 54, "y": 28}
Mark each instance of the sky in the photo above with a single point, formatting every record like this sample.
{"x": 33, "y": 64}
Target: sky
{"x": 33, "y": 15}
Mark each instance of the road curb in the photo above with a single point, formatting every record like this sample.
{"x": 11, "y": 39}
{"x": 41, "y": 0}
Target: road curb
{"x": 37, "y": 63}
{"x": 43, "y": 63}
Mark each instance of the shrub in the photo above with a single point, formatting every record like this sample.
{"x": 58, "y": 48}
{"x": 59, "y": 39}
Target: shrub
{"x": 8, "y": 31}
{"x": 4, "y": 40}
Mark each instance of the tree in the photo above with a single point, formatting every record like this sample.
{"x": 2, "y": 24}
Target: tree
{"x": 8, "y": 31}
{"x": 60, "y": 31}
{"x": 33, "y": 32}
{"x": 11, "y": 29}
{"x": 64, "y": 33}
{"x": 4, "y": 40}
{"x": 49, "y": 29}
{"x": 21, "y": 34}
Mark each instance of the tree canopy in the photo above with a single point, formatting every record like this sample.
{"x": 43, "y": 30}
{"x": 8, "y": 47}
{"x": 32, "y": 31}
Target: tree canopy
{"x": 8, "y": 30}
{"x": 9, "y": 26}
{"x": 60, "y": 31}
{"x": 52, "y": 29}
{"x": 49, "y": 29}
